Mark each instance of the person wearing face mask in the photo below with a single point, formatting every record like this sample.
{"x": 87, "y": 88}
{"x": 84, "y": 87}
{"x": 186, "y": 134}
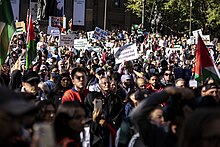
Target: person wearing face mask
{"x": 125, "y": 87}
{"x": 54, "y": 75}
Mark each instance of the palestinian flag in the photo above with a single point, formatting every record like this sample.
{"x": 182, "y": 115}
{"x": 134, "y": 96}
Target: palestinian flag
{"x": 7, "y": 28}
{"x": 205, "y": 66}
{"x": 31, "y": 53}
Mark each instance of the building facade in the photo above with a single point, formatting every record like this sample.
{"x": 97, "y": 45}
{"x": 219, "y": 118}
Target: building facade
{"x": 116, "y": 14}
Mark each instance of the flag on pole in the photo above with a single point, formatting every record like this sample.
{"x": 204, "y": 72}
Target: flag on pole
{"x": 31, "y": 47}
{"x": 205, "y": 66}
{"x": 7, "y": 28}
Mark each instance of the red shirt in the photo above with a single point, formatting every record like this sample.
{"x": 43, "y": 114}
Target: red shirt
{"x": 72, "y": 95}
{"x": 151, "y": 90}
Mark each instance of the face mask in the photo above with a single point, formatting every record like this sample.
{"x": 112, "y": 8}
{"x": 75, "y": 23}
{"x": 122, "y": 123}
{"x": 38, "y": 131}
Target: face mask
{"x": 55, "y": 75}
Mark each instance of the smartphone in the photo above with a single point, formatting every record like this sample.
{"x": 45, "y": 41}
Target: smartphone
{"x": 45, "y": 133}
{"x": 98, "y": 104}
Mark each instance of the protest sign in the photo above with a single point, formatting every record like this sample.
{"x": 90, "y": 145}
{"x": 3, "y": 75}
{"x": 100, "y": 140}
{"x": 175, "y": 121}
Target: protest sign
{"x": 175, "y": 49}
{"x": 56, "y": 21}
{"x": 80, "y": 44}
{"x": 99, "y": 33}
{"x": 20, "y": 27}
{"x": 125, "y": 53}
{"x": 67, "y": 40}
{"x": 206, "y": 39}
{"x": 53, "y": 31}
{"x": 196, "y": 33}
{"x": 90, "y": 36}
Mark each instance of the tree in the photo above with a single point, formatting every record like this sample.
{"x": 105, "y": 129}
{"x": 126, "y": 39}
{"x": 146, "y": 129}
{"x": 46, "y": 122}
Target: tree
{"x": 176, "y": 14}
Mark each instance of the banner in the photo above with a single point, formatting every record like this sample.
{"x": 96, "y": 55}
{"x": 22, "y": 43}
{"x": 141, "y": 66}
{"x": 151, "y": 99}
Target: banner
{"x": 79, "y": 12}
{"x": 67, "y": 40}
{"x": 80, "y": 44}
{"x": 99, "y": 33}
{"x": 33, "y": 9}
{"x": 15, "y": 8}
{"x": 126, "y": 53}
{"x": 60, "y": 8}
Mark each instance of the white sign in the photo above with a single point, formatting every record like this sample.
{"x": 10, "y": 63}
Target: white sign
{"x": 79, "y": 12}
{"x": 99, "y": 33}
{"x": 53, "y": 31}
{"x": 90, "y": 36}
{"x": 126, "y": 53}
{"x": 191, "y": 40}
{"x": 162, "y": 43}
{"x": 206, "y": 39}
{"x": 80, "y": 44}
{"x": 15, "y": 8}
{"x": 176, "y": 49}
{"x": 196, "y": 33}
{"x": 66, "y": 40}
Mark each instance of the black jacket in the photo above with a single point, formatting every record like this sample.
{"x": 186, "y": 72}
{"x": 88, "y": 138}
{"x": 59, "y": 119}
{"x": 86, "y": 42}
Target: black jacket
{"x": 151, "y": 135}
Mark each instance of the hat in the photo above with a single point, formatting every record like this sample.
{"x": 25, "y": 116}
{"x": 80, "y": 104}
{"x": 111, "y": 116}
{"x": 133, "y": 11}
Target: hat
{"x": 29, "y": 76}
{"x": 99, "y": 69}
{"x": 13, "y": 103}
{"x": 125, "y": 77}
{"x": 141, "y": 94}
{"x": 210, "y": 86}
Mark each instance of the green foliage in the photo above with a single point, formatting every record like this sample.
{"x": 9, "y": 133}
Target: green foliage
{"x": 176, "y": 14}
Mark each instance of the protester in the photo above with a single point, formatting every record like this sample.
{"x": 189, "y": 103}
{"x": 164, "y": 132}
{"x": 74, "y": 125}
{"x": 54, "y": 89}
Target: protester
{"x": 69, "y": 122}
{"x": 152, "y": 134}
{"x": 78, "y": 91}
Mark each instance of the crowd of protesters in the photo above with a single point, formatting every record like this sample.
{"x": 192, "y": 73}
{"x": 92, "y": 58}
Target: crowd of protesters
{"x": 73, "y": 98}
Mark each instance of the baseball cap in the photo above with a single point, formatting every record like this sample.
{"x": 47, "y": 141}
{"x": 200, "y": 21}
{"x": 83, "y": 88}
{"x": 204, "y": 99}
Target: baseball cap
{"x": 99, "y": 69}
{"x": 211, "y": 86}
{"x": 13, "y": 103}
{"x": 125, "y": 77}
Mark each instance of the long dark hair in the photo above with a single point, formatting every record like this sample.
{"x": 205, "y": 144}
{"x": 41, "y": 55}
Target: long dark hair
{"x": 61, "y": 127}
{"x": 59, "y": 86}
